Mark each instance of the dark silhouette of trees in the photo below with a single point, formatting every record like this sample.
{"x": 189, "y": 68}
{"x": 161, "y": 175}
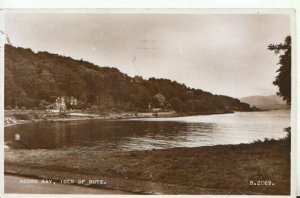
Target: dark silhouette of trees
{"x": 283, "y": 79}
{"x": 34, "y": 80}
{"x": 177, "y": 104}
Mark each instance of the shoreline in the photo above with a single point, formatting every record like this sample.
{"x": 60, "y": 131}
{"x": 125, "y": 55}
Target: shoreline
{"x": 166, "y": 171}
{"x": 10, "y": 120}
{"x": 33, "y": 116}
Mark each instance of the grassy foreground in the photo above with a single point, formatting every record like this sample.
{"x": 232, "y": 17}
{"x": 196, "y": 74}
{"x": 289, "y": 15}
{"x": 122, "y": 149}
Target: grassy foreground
{"x": 220, "y": 169}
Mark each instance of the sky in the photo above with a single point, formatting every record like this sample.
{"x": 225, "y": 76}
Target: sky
{"x": 221, "y": 53}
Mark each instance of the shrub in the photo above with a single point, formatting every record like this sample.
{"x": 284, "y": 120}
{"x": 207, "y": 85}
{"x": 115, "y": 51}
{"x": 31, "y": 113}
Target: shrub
{"x": 20, "y": 116}
{"x": 8, "y": 107}
{"x": 34, "y": 115}
{"x": 288, "y": 131}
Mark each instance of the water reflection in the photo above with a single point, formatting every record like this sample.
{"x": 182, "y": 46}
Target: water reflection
{"x": 108, "y": 135}
{"x": 150, "y": 133}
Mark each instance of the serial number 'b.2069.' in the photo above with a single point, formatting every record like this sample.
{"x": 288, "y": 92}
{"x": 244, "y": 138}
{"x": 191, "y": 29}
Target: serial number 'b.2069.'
{"x": 261, "y": 183}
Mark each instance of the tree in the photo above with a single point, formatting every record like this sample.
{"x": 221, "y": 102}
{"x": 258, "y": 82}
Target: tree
{"x": 159, "y": 100}
{"x": 177, "y": 104}
{"x": 34, "y": 77}
{"x": 283, "y": 79}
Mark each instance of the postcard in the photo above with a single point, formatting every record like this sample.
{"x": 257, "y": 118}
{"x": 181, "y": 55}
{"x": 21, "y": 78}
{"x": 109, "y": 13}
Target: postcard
{"x": 149, "y": 102}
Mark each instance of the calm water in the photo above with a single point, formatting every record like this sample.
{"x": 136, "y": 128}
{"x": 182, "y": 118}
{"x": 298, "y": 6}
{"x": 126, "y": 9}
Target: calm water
{"x": 149, "y": 133}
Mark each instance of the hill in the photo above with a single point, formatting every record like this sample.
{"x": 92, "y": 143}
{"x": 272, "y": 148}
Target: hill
{"x": 271, "y": 102}
{"x": 35, "y": 80}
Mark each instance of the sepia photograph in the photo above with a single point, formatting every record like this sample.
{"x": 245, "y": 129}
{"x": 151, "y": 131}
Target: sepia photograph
{"x": 185, "y": 102}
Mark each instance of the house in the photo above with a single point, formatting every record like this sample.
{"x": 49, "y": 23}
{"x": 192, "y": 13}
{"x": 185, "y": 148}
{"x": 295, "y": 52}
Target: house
{"x": 58, "y": 107}
{"x": 156, "y": 109}
{"x": 73, "y": 101}
{"x": 52, "y": 108}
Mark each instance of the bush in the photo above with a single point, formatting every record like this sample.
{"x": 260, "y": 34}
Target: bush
{"x": 286, "y": 140}
{"x": 288, "y": 131}
{"x": 8, "y": 107}
{"x": 20, "y": 116}
{"x": 23, "y": 108}
{"x": 34, "y": 115}
{"x": 63, "y": 115}
{"x": 266, "y": 140}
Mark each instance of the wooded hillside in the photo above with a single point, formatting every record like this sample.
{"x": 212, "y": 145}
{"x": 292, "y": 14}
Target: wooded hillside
{"x": 34, "y": 80}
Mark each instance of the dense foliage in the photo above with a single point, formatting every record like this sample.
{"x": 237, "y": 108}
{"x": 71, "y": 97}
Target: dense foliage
{"x": 283, "y": 79}
{"x": 34, "y": 80}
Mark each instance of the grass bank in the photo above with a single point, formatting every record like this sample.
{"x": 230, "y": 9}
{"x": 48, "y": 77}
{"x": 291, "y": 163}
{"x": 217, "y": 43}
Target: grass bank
{"x": 224, "y": 169}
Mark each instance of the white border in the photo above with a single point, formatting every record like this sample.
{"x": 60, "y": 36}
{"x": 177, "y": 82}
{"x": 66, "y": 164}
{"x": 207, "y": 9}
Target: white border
{"x": 260, "y": 4}
{"x": 2, "y": 39}
{"x": 149, "y": 4}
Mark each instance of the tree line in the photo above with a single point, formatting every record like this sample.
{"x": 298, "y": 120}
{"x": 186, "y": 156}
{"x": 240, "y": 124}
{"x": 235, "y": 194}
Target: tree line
{"x": 35, "y": 80}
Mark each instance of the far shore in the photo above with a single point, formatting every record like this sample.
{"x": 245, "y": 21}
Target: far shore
{"x": 16, "y": 117}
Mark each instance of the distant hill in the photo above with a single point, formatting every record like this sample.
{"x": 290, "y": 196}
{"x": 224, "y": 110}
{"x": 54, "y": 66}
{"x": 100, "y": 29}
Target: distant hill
{"x": 35, "y": 80}
{"x": 266, "y": 102}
